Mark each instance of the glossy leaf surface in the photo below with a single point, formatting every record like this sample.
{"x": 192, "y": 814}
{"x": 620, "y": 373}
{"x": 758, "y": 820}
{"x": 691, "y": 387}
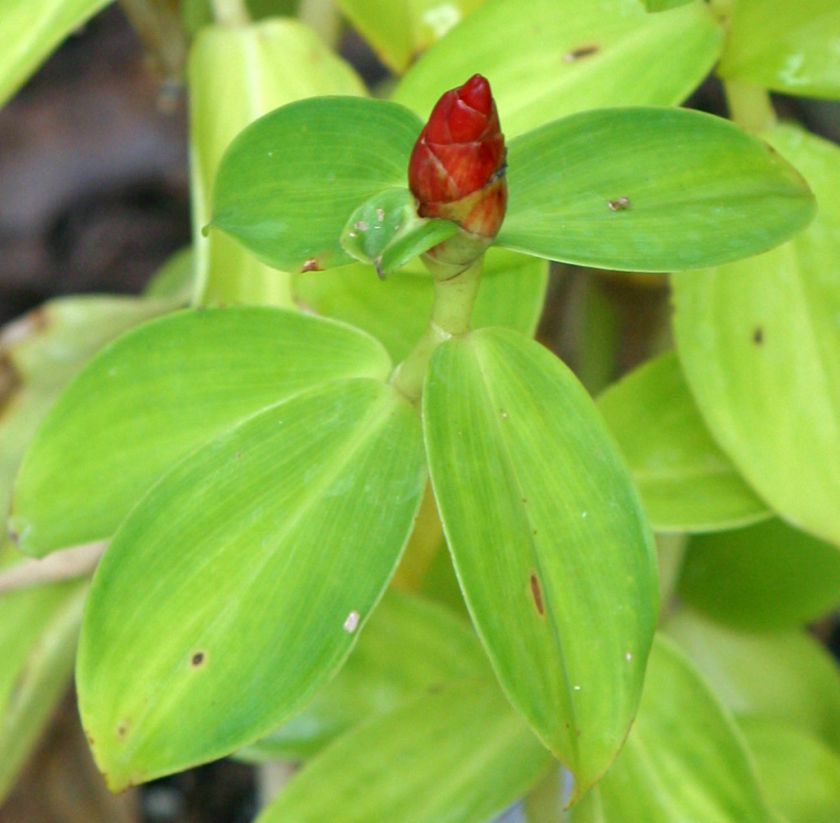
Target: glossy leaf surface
{"x": 548, "y": 539}
{"x": 410, "y": 645}
{"x": 38, "y": 630}
{"x": 459, "y": 754}
{"x": 788, "y": 47}
{"x": 397, "y": 311}
{"x": 784, "y": 675}
{"x": 760, "y": 347}
{"x": 237, "y": 74}
{"x": 156, "y": 394}
{"x": 40, "y": 353}
{"x": 270, "y": 548}
{"x": 649, "y": 190}
{"x": 32, "y": 31}
{"x": 291, "y": 180}
{"x": 550, "y": 58}
{"x": 799, "y": 773}
{"x": 398, "y": 32}
{"x": 686, "y": 482}
{"x": 683, "y": 759}
{"x": 768, "y": 576}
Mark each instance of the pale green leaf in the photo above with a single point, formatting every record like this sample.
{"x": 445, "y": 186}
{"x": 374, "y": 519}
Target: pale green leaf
{"x": 683, "y": 760}
{"x": 174, "y": 279}
{"x": 397, "y": 311}
{"x": 237, "y": 74}
{"x": 157, "y": 393}
{"x": 458, "y": 755}
{"x": 792, "y": 47}
{"x": 31, "y": 31}
{"x": 686, "y": 482}
{"x": 237, "y": 587}
{"x": 290, "y": 181}
{"x": 549, "y": 58}
{"x": 399, "y": 31}
{"x": 784, "y": 675}
{"x": 768, "y": 576}
{"x": 759, "y": 343}
{"x": 664, "y": 5}
{"x": 40, "y": 353}
{"x": 409, "y": 646}
{"x": 649, "y": 190}
{"x": 799, "y": 773}
{"x": 38, "y": 629}
{"x": 548, "y": 538}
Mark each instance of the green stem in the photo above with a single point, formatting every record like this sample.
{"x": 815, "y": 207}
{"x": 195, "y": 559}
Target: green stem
{"x": 749, "y": 106}
{"x": 323, "y": 17}
{"x": 451, "y": 313}
{"x": 231, "y": 12}
{"x": 159, "y": 26}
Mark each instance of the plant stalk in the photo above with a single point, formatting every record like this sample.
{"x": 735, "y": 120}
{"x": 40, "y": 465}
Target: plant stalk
{"x": 231, "y": 12}
{"x": 749, "y": 106}
{"x": 66, "y": 564}
{"x": 451, "y": 313}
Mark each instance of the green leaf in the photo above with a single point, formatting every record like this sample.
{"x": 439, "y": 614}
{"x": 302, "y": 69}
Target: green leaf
{"x": 397, "y": 311}
{"x": 799, "y": 773}
{"x": 158, "y": 393}
{"x": 237, "y": 74}
{"x": 759, "y": 344}
{"x": 768, "y": 576}
{"x": 174, "y": 279}
{"x": 387, "y": 232}
{"x": 548, "y": 538}
{"x": 398, "y": 32}
{"x": 236, "y": 588}
{"x": 550, "y": 58}
{"x": 686, "y": 482}
{"x": 40, "y": 353}
{"x": 785, "y": 675}
{"x": 684, "y": 759}
{"x": 32, "y": 31}
{"x": 38, "y": 630}
{"x": 459, "y": 754}
{"x": 410, "y": 645}
{"x": 290, "y": 181}
{"x": 788, "y": 47}
{"x": 664, "y": 5}
{"x": 649, "y": 190}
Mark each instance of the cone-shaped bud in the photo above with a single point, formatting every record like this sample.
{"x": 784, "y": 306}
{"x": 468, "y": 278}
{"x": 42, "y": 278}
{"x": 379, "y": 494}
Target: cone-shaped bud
{"x": 457, "y": 169}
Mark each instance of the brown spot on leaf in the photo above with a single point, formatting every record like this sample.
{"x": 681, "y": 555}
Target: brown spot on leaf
{"x": 536, "y": 593}
{"x": 122, "y": 729}
{"x": 619, "y": 204}
{"x": 580, "y": 53}
{"x": 758, "y": 335}
{"x": 311, "y": 265}
{"x": 197, "y": 659}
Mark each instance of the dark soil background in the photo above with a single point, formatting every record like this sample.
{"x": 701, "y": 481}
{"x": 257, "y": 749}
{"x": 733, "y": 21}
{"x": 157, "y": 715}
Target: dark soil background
{"x": 94, "y": 182}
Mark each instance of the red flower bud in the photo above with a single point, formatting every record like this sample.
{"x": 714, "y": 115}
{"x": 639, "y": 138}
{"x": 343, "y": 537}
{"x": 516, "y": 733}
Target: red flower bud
{"x": 457, "y": 166}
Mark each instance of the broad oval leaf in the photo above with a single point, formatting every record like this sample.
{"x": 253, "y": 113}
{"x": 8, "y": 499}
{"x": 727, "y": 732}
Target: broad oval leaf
{"x": 40, "y": 353}
{"x": 398, "y": 32}
{"x": 549, "y": 58}
{"x": 784, "y": 675}
{"x": 289, "y": 182}
{"x": 38, "y": 630}
{"x": 548, "y": 539}
{"x": 768, "y": 576}
{"x": 236, "y": 74}
{"x": 759, "y": 344}
{"x": 788, "y": 47}
{"x": 397, "y": 311}
{"x": 237, "y": 587}
{"x": 32, "y": 31}
{"x": 685, "y": 480}
{"x": 798, "y": 772}
{"x": 684, "y": 759}
{"x": 649, "y": 190}
{"x": 410, "y": 645}
{"x": 157, "y": 393}
{"x": 458, "y": 754}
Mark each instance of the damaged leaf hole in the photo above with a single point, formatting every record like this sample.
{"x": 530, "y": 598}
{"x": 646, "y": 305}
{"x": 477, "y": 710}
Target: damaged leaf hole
{"x": 198, "y": 659}
{"x": 619, "y": 204}
{"x": 352, "y": 622}
{"x": 536, "y": 594}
